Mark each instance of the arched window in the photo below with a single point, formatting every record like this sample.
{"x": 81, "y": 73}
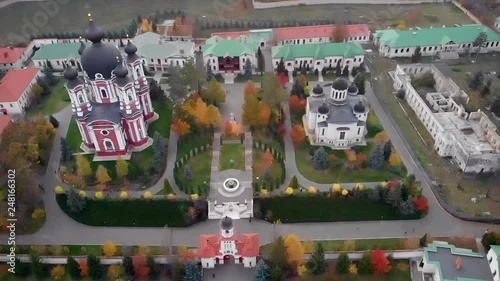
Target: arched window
{"x": 104, "y": 94}
{"x": 108, "y": 144}
{"x": 80, "y": 98}
{"x": 138, "y": 70}
{"x": 130, "y": 95}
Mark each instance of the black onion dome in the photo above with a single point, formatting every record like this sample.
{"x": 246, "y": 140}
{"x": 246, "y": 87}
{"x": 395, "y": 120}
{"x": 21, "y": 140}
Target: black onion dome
{"x": 340, "y": 84}
{"x": 94, "y": 33}
{"x": 70, "y": 73}
{"x": 352, "y": 89}
{"x": 318, "y": 90}
{"x": 323, "y": 109}
{"x": 100, "y": 58}
{"x": 359, "y": 107}
{"x": 226, "y": 223}
{"x": 130, "y": 49}
{"x": 82, "y": 47}
{"x": 121, "y": 71}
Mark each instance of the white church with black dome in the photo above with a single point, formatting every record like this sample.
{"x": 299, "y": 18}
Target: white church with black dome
{"x": 336, "y": 115}
{"x": 111, "y": 105}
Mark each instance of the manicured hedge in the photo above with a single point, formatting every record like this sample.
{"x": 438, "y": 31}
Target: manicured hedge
{"x": 319, "y": 208}
{"x": 135, "y": 212}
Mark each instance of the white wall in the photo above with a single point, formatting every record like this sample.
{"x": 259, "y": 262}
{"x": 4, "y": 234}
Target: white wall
{"x": 263, "y": 5}
{"x": 321, "y": 63}
{"x": 316, "y": 40}
{"x": 493, "y": 262}
{"x": 492, "y": 46}
{"x": 208, "y": 262}
{"x": 19, "y": 106}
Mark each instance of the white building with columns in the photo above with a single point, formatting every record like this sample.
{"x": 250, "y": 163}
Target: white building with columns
{"x": 336, "y": 119}
{"x": 469, "y": 138}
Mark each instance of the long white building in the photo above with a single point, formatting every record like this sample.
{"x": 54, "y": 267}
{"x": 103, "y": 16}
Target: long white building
{"x": 394, "y": 43}
{"x": 470, "y": 139}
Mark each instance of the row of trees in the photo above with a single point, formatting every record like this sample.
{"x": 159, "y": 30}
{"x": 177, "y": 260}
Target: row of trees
{"x": 287, "y": 258}
{"x": 226, "y": 24}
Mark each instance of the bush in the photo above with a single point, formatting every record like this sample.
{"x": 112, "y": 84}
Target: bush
{"x": 73, "y": 268}
{"x": 75, "y": 201}
{"x": 154, "y": 213}
{"x": 343, "y": 263}
{"x": 22, "y": 269}
{"x": 365, "y": 265}
{"x": 96, "y": 270}
{"x": 401, "y": 94}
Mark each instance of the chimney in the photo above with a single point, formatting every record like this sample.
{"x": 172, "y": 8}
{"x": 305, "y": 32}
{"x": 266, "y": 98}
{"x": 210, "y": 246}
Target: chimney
{"x": 459, "y": 263}
{"x": 5, "y": 54}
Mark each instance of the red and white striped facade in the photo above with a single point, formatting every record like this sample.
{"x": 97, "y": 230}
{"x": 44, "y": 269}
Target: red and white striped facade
{"x": 126, "y": 131}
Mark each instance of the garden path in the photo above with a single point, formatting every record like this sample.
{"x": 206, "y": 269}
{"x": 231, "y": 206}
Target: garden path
{"x": 59, "y": 229}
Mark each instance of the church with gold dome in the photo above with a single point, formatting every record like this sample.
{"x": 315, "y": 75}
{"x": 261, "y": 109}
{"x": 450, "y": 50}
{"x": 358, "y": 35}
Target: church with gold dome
{"x": 336, "y": 115}
{"x": 111, "y": 104}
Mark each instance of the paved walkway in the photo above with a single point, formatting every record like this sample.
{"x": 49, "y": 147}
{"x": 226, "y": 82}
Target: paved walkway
{"x": 59, "y": 229}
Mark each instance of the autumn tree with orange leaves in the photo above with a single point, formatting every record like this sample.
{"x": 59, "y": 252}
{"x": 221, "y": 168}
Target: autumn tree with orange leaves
{"x": 298, "y": 133}
{"x": 146, "y": 25}
{"x": 297, "y": 104}
{"x": 181, "y": 127}
{"x": 84, "y": 267}
{"x": 264, "y": 114}
{"x": 250, "y": 88}
{"x": 141, "y": 266}
{"x": 267, "y": 159}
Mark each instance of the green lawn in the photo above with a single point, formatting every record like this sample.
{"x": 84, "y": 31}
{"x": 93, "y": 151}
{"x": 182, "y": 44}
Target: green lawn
{"x": 55, "y": 102}
{"x": 201, "y": 165}
{"x": 373, "y": 125}
{"x": 234, "y": 153}
{"x": 164, "y": 81}
{"x": 255, "y": 78}
{"x": 337, "y": 173}
{"x": 319, "y": 208}
{"x": 269, "y": 140}
{"x": 73, "y": 136}
{"x": 359, "y": 245}
{"x": 259, "y": 170}
{"x": 394, "y": 275}
{"x": 153, "y": 213}
{"x": 189, "y": 142}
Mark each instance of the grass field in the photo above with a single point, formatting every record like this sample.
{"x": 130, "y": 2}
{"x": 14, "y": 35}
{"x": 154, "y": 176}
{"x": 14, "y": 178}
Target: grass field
{"x": 338, "y": 174}
{"x": 438, "y": 168}
{"x": 259, "y": 170}
{"x": 115, "y": 15}
{"x": 201, "y": 166}
{"x": 55, "y": 102}
{"x": 154, "y": 213}
{"x": 232, "y": 156}
{"x": 295, "y": 209}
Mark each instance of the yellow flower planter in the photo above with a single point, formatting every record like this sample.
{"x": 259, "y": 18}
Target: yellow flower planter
{"x": 59, "y": 189}
{"x": 99, "y": 195}
{"x": 82, "y": 193}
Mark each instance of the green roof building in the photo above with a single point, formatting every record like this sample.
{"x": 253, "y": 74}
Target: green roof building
{"x": 445, "y": 262}
{"x": 318, "y": 56}
{"x": 434, "y": 41}
{"x": 228, "y": 55}
{"x": 58, "y": 54}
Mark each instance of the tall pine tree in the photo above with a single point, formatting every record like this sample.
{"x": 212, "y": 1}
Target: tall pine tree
{"x": 320, "y": 159}
{"x": 376, "y": 158}
{"x": 262, "y": 271}
{"x": 338, "y": 69}
{"x": 387, "y": 150}
{"x": 66, "y": 153}
{"x": 317, "y": 262}
{"x": 278, "y": 253}
{"x": 193, "y": 271}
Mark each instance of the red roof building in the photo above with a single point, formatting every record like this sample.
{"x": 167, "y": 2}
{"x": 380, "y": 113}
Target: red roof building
{"x": 306, "y": 34}
{"x": 11, "y": 57}
{"x": 227, "y": 247}
{"x": 15, "y": 90}
{"x": 4, "y": 122}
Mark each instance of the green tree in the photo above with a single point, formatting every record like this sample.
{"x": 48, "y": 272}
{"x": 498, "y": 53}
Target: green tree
{"x": 387, "y": 150}
{"x": 192, "y": 77}
{"x": 261, "y": 271}
{"x": 320, "y": 159}
{"x": 248, "y": 70}
{"x": 215, "y": 93}
{"x": 260, "y": 61}
{"x": 276, "y": 273}
{"x": 294, "y": 183}
{"x": 160, "y": 149}
{"x": 317, "y": 262}
{"x": 251, "y": 109}
{"x": 188, "y": 173}
{"x": 96, "y": 270}
{"x": 417, "y": 55}
{"x": 273, "y": 93}
{"x": 210, "y": 74}
{"x": 66, "y": 153}
{"x": 280, "y": 69}
{"x": 393, "y": 197}
{"x": 75, "y": 202}
{"x": 479, "y": 42}
{"x": 155, "y": 90}
{"x": 49, "y": 76}
{"x": 495, "y": 107}
{"x": 376, "y": 157}
{"x": 73, "y": 268}
{"x": 365, "y": 265}
{"x": 178, "y": 91}
{"x": 338, "y": 69}
{"x": 486, "y": 89}
{"x": 193, "y": 271}
{"x": 102, "y": 175}
{"x": 360, "y": 81}
{"x": 343, "y": 263}
{"x": 345, "y": 72}
{"x": 128, "y": 266}
{"x": 490, "y": 238}
{"x": 278, "y": 253}
{"x": 408, "y": 207}
{"x": 477, "y": 80}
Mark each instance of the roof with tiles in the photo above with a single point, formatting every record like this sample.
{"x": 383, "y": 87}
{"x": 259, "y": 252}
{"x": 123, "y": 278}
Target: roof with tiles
{"x": 318, "y": 51}
{"x": 220, "y": 47}
{"x": 59, "y": 51}
{"x": 4, "y": 122}
{"x": 300, "y": 32}
{"x": 15, "y": 82}
{"x": 395, "y": 38}
{"x": 11, "y": 54}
